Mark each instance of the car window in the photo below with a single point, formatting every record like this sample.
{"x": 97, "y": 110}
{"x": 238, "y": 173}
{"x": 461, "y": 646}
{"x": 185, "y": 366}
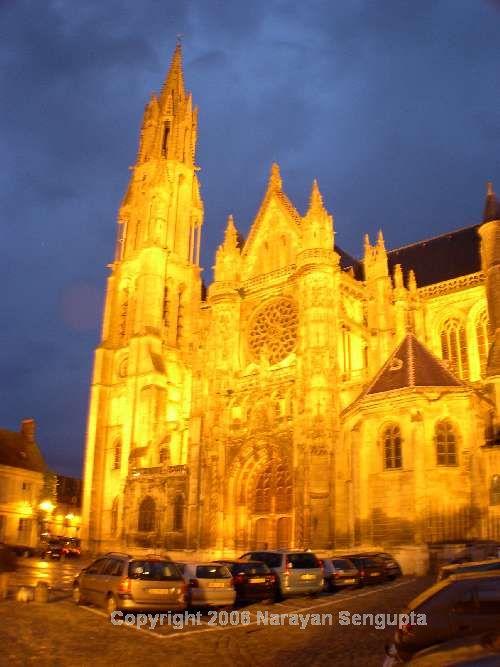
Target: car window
{"x": 153, "y": 570}
{"x": 302, "y": 561}
{"x": 97, "y": 566}
{"x": 343, "y": 564}
{"x": 489, "y": 601}
{"x": 212, "y": 572}
{"x": 249, "y": 568}
{"x": 114, "y": 568}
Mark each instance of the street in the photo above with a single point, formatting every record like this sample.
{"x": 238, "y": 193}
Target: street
{"x": 63, "y": 634}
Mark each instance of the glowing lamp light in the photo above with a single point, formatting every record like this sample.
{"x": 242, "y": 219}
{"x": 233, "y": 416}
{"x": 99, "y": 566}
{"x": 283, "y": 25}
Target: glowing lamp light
{"x": 70, "y": 516}
{"x": 46, "y": 506}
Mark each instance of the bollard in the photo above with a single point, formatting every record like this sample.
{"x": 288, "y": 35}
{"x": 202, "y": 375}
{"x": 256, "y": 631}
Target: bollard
{"x": 42, "y": 592}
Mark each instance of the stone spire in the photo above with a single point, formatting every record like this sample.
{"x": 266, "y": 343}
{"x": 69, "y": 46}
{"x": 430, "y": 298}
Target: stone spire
{"x": 174, "y": 83}
{"x": 275, "y": 182}
{"x": 492, "y": 206}
{"x": 317, "y": 229}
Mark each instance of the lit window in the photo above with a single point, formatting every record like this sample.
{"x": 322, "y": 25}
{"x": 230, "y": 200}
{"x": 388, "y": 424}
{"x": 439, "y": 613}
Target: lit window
{"x": 392, "y": 447}
{"x": 446, "y": 443}
{"x": 454, "y": 347}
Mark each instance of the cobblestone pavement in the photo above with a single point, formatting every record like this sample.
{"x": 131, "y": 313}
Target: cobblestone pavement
{"x": 61, "y": 634}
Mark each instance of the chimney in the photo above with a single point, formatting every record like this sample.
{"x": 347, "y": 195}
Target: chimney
{"x": 28, "y": 428}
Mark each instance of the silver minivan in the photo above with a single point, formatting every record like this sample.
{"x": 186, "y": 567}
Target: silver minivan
{"x": 298, "y": 572}
{"x": 120, "y": 581}
{"x": 208, "y": 584}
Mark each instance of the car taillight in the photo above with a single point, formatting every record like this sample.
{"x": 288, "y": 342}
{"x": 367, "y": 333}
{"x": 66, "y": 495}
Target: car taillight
{"x": 239, "y": 579}
{"x": 125, "y": 586}
{"x": 336, "y": 574}
{"x": 320, "y": 562}
{"x": 194, "y": 583}
{"x": 361, "y": 573}
{"x": 271, "y": 578}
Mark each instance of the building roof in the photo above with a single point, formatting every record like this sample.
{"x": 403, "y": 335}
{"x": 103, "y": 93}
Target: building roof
{"x": 412, "y": 365}
{"x": 440, "y": 258}
{"x": 18, "y": 451}
{"x": 347, "y": 262}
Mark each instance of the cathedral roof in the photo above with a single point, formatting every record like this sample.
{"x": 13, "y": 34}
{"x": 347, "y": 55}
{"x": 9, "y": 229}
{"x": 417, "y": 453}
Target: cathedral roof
{"x": 347, "y": 261}
{"x": 412, "y": 365}
{"x": 19, "y": 451}
{"x": 440, "y": 258}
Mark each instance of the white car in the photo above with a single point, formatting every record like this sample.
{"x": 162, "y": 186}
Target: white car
{"x": 208, "y": 584}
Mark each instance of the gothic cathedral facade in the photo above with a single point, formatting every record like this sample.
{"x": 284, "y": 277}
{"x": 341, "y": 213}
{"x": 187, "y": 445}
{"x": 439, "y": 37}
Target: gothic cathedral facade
{"x": 306, "y": 398}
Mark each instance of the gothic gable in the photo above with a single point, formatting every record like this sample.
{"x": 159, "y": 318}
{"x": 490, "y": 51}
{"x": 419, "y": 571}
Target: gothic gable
{"x": 274, "y": 238}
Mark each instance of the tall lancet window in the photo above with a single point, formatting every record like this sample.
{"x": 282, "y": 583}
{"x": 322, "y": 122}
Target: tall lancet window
{"x": 166, "y": 306}
{"x": 164, "y": 139}
{"x": 454, "y": 347}
{"x": 482, "y": 340}
{"x": 180, "y": 316}
{"x": 123, "y": 313}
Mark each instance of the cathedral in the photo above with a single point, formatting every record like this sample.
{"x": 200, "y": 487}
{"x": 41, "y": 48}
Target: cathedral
{"x": 306, "y": 398}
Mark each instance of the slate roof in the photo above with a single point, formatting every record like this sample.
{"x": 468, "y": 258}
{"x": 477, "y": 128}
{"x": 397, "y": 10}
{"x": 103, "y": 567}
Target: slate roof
{"x": 17, "y": 451}
{"x": 440, "y": 258}
{"x": 412, "y": 365}
{"x": 347, "y": 262}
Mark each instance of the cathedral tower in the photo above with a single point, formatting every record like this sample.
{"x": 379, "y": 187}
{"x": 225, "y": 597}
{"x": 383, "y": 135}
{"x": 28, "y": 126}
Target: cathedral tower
{"x": 140, "y": 399}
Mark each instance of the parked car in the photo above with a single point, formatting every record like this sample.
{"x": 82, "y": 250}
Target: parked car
{"x": 252, "y": 580}
{"x": 208, "y": 584}
{"x": 339, "y": 573}
{"x": 71, "y": 548}
{"x": 22, "y": 550}
{"x": 477, "y": 566}
{"x": 297, "y": 572}
{"x": 482, "y": 649}
{"x": 54, "y": 551}
{"x": 118, "y": 581}
{"x": 371, "y": 568}
{"x": 461, "y": 605}
{"x": 392, "y": 568}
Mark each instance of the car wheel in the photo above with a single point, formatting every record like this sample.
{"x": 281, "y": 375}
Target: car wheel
{"x": 77, "y": 595}
{"x": 111, "y": 604}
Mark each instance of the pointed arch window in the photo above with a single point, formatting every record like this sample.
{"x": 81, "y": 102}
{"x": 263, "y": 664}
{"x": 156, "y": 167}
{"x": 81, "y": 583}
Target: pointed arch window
{"x": 346, "y": 349}
{"x": 117, "y": 454}
{"x": 166, "y": 306}
{"x": 147, "y": 515}
{"x": 180, "y": 316}
{"x": 482, "y": 340}
{"x": 178, "y": 517}
{"x": 391, "y": 438}
{"x": 123, "y": 313}
{"x": 454, "y": 347}
{"x": 114, "y": 516}
{"x": 164, "y": 139}
{"x": 446, "y": 443}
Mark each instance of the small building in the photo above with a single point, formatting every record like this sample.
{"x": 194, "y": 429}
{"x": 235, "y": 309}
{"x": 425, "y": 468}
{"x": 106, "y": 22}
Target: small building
{"x": 22, "y": 479}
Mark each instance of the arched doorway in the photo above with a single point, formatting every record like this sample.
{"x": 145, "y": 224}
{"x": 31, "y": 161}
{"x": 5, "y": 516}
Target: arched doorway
{"x": 272, "y": 506}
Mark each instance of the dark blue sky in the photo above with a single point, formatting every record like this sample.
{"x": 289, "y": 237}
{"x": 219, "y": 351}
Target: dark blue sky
{"x": 394, "y": 106}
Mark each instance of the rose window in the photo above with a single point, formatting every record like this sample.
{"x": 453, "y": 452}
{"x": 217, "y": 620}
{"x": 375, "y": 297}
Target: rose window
{"x": 273, "y": 331}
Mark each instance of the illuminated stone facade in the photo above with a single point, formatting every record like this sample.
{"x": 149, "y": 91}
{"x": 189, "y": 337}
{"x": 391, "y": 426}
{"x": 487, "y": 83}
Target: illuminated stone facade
{"x": 303, "y": 400}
